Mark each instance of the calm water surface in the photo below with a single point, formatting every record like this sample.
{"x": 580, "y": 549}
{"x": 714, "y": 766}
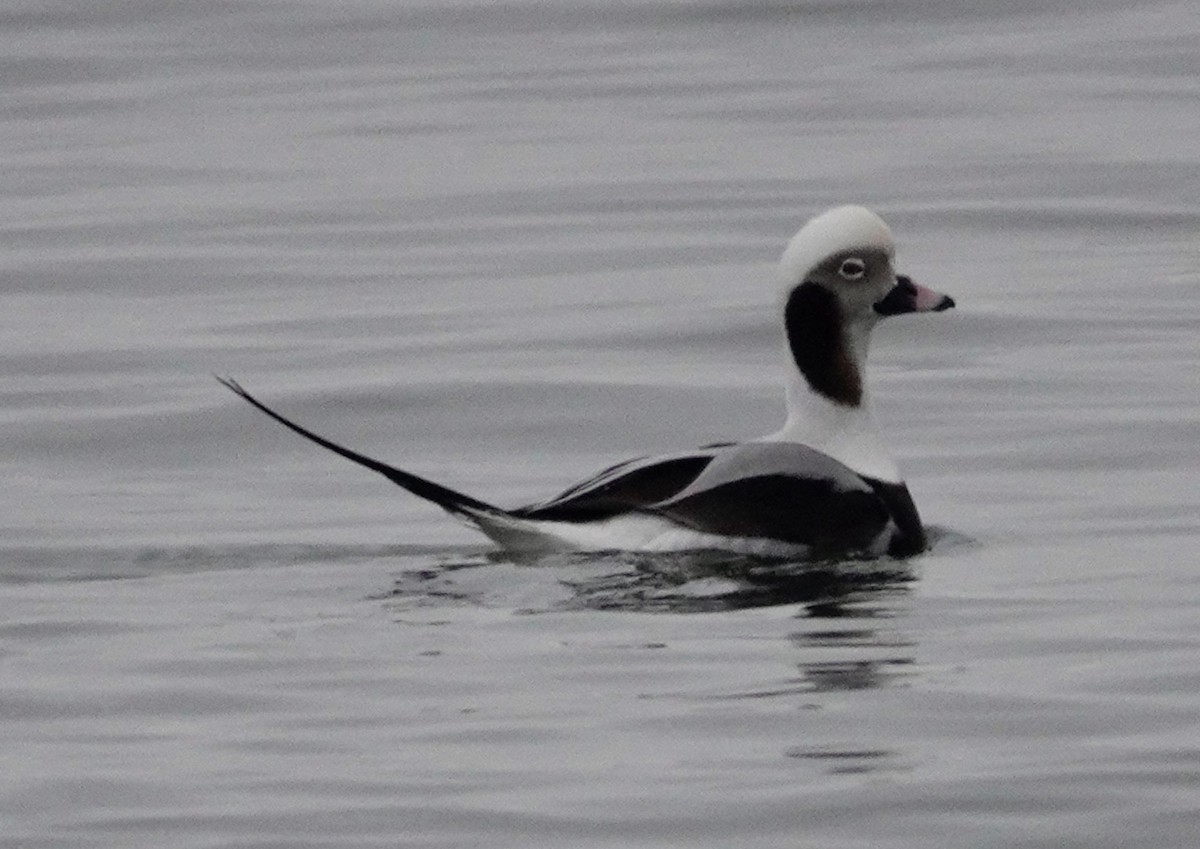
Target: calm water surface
{"x": 504, "y": 245}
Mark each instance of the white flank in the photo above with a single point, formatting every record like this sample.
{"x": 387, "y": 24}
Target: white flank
{"x": 629, "y": 532}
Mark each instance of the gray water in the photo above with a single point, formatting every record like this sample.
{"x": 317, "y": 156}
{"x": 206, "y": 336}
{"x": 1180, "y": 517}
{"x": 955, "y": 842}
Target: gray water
{"x": 504, "y": 245}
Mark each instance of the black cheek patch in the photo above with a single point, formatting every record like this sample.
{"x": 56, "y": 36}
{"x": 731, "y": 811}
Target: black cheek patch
{"x": 815, "y": 335}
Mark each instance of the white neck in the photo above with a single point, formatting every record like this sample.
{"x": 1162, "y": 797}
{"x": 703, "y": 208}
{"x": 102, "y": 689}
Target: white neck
{"x": 846, "y": 433}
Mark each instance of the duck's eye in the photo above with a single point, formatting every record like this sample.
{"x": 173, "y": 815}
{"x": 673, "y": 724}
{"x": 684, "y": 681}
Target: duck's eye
{"x": 852, "y": 269}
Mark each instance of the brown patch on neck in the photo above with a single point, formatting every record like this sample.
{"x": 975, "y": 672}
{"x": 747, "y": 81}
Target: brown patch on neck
{"x": 817, "y": 338}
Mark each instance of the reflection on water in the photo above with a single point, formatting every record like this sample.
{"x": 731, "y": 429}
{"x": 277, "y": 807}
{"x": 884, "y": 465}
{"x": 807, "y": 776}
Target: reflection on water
{"x": 848, "y": 639}
{"x": 851, "y": 761}
{"x": 848, "y": 644}
{"x": 868, "y": 653}
{"x": 693, "y": 582}
{"x": 853, "y": 674}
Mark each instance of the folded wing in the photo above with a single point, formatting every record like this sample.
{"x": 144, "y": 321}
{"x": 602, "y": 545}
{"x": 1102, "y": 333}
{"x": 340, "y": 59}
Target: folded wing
{"x": 764, "y": 490}
{"x": 784, "y": 491}
{"x": 631, "y": 486}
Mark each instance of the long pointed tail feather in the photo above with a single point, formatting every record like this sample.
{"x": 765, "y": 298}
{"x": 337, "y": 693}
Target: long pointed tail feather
{"x": 448, "y": 499}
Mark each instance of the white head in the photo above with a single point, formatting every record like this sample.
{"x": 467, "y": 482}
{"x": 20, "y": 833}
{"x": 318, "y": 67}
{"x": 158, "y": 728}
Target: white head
{"x": 837, "y": 281}
{"x": 838, "y": 233}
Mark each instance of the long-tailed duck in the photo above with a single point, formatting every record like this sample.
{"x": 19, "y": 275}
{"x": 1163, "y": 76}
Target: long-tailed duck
{"x": 824, "y": 485}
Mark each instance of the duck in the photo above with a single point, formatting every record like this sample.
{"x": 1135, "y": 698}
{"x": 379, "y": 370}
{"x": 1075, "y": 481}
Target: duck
{"x": 823, "y": 485}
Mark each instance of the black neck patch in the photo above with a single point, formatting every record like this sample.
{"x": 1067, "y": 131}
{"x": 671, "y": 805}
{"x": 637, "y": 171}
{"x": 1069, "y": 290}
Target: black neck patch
{"x": 815, "y": 335}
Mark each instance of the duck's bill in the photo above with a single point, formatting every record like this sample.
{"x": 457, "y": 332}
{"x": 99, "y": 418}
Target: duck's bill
{"x": 907, "y": 296}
